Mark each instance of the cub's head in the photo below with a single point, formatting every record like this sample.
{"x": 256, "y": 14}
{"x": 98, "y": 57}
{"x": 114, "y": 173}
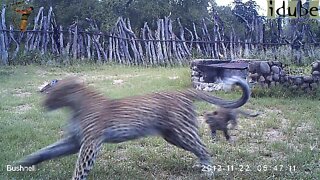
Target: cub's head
{"x": 65, "y": 93}
{"x": 211, "y": 117}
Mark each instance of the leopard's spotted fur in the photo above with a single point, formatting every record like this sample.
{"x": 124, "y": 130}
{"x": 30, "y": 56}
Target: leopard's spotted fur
{"x": 97, "y": 119}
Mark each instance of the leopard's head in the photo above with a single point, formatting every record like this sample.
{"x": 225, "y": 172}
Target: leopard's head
{"x": 64, "y": 93}
{"x": 48, "y": 86}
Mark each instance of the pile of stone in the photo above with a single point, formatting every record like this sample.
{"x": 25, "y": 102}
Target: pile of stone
{"x": 270, "y": 73}
{"x": 316, "y": 69}
{"x": 264, "y": 74}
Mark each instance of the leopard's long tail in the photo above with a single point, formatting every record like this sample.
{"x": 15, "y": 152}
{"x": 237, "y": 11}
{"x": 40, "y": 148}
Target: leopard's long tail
{"x": 201, "y": 95}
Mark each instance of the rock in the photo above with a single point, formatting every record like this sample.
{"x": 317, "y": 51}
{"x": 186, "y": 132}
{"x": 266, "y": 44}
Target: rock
{"x": 282, "y": 79}
{"x": 277, "y": 83}
{"x": 272, "y": 84}
{"x": 283, "y": 73}
{"x": 219, "y": 86}
{"x": 201, "y": 79}
{"x": 269, "y": 78}
{"x": 308, "y": 79}
{"x": 277, "y": 63}
{"x": 195, "y": 79}
{"x": 315, "y": 66}
{"x": 203, "y": 85}
{"x": 276, "y": 77}
{"x": 264, "y": 68}
{"x": 314, "y": 85}
{"x": 254, "y": 76}
{"x": 286, "y": 84}
{"x": 208, "y": 89}
{"x": 316, "y": 73}
{"x": 262, "y": 79}
{"x": 293, "y": 87}
{"x": 305, "y": 85}
{"x": 195, "y": 68}
{"x": 117, "y": 82}
{"x": 275, "y": 69}
{"x": 195, "y": 73}
{"x": 298, "y": 80}
{"x": 253, "y": 67}
{"x": 264, "y": 85}
{"x": 195, "y": 84}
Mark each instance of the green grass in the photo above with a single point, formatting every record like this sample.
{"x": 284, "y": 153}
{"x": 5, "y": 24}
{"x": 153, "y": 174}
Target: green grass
{"x": 285, "y": 136}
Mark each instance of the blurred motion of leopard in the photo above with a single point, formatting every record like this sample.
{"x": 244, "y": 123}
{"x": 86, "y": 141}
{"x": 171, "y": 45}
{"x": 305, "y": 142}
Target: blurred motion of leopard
{"x": 97, "y": 119}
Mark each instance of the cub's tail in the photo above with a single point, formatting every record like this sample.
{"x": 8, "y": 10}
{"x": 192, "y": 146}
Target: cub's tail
{"x": 247, "y": 114}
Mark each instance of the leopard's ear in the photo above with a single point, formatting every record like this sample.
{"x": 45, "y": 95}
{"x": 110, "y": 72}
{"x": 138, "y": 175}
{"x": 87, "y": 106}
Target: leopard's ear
{"x": 73, "y": 80}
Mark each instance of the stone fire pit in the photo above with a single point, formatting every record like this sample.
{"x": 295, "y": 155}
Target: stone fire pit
{"x": 219, "y": 71}
{"x": 209, "y": 74}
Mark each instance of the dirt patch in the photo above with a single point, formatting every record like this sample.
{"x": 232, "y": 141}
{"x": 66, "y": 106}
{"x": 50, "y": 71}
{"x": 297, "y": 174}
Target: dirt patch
{"x": 118, "y": 82}
{"x": 3, "y": 91}
{"x": 284, "y": 123}
{"x": 41, "y": 73}
{"x": 22, "y": 108}
{"x": 254, "y": 147}
{"x": 273, "y": 135}
{"x": 20, "y": 93}
{"x": 201, "y": 120}
{"x": 122, "y": 155}
{"x": 107, "y": 77}
{"x": 173, "y": 77}
{"x": 267, "y": 112}
{"x": 304, "y": 128}
{"x": 97, "y": 77}
{"x": 272, "y": 110}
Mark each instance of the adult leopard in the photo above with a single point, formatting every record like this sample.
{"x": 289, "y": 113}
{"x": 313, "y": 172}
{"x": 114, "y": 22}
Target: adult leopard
{"x": 96, "y": 120}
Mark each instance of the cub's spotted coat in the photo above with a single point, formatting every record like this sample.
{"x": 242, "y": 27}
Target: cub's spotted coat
{"x": 219, "y": 120}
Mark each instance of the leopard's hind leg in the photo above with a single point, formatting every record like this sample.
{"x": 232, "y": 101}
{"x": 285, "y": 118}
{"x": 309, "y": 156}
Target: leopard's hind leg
{"x": 189, "y": 140}
{"x": 86, "y": 159}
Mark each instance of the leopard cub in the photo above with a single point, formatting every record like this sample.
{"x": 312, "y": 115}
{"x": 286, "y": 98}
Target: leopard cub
{"x": 221, "y": 118}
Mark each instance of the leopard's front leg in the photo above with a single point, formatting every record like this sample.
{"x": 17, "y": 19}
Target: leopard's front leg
{"x": 86, "y": 159}
{"x": 66, "y": 146}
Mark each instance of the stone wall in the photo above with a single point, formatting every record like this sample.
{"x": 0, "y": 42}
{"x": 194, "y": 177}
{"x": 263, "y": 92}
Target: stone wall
{"x": 264, "y": 74}
{"x": 271, "y": 73}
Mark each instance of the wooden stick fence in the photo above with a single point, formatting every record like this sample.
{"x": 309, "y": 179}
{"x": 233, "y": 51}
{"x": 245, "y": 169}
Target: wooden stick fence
{"x": 121, "y": 45}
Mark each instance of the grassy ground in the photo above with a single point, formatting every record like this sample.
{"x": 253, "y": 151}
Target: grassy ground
{"x": 282, "y": 143}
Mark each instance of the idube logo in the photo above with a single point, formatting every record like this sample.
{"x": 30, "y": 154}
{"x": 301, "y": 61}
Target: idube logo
{"x": 293, "y": 9}
{"x": 20, "y": 168}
